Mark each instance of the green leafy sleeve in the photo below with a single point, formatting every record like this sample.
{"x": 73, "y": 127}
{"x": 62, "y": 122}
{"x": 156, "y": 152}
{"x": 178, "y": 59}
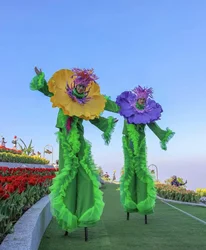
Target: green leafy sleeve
{"x": 106, "y": 125}
{"x": 60, "y": 119}
{"x": 39, "y": 83}
{"x": 163, "y": 135}
{"x": 111, "y": 105}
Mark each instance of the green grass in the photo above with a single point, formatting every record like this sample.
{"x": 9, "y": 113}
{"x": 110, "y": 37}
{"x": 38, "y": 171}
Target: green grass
{"x": 167, "y": 229}
{"x": 199, "y": 212}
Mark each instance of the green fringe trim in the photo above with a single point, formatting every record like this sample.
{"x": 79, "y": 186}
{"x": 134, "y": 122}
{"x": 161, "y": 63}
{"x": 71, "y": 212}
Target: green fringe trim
{"x": 134, "y": 137}
{"x": 135, "y": 162}
{"x": 92, "y": 215}
{"x": 110, "y": 129}
{"x": 126, "y": 179}
{"x": 146, "y": 206}
{"x": 37, "y": 82}
{"x": 71, "y": 146}
{"x": 169, "y": 134}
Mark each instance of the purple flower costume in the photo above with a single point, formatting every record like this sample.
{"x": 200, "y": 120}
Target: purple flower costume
{"x": 137, "y": 189}
{"x": 127, "y": 102}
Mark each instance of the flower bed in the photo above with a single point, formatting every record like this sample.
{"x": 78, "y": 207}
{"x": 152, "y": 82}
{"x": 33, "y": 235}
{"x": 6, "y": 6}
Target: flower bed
{"x": 177, "y": 193}
{"x": 22, "y": 158}
{"x": 201, "y": 191}
{"x": 20, "y": 188}
{"x": 9, "y": 150}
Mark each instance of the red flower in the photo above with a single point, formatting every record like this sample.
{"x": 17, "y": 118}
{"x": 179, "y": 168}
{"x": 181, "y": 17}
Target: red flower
{"x": 5, "y": 196}
{"x": 10, "y": 188}
{"x": 21, "y": 189}
{"x": 32, "y": 181}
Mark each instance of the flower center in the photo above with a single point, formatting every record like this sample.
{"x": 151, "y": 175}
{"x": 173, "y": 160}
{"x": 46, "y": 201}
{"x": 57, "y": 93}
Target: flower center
{"x": 139, "y": 106}
{"x": 78, "y": 95}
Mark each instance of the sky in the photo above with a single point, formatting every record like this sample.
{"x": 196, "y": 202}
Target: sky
{"x": 158, "y": 44}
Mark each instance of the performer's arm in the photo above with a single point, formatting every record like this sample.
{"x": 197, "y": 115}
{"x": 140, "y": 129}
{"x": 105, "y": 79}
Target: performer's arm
{"x": 39, "y": 83}
{"x": 182, "y": 184}
{"x": 111, "y": 105}
{"x": 106, "y": 125}
{"x": 163, "y": 135}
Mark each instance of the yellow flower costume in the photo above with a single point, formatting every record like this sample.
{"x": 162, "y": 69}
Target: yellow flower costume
{"x": 90, "y": 110}
{"x": 76, "y": 200}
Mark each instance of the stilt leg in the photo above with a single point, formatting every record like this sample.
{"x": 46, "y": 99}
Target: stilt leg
{"x": 66, "y": 233}
{"x": 145, "y": 219}
{"x": 127, "y": 216}
{"x": 86, "y": 233}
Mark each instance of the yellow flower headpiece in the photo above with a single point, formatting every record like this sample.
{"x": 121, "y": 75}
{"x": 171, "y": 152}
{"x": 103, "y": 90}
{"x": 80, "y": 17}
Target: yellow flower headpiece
{"x": 62, "y": 83}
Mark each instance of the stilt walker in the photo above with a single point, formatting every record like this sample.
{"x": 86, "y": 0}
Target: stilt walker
{"x": 137, "y": 187}
{"x": 76, "y": 200}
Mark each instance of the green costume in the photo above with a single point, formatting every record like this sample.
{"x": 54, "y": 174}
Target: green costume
{"x": 137, "y": 187}
{"x": 76, "y": 199}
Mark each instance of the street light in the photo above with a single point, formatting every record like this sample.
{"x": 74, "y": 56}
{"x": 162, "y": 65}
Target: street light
{"x": 48, "y": 145}
{"x": 153, "y": 165}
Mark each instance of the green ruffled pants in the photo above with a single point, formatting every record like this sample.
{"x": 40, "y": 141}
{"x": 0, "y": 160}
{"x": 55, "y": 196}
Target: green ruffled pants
{"x": 76, "y": 199}
{"x": 137, "y": 189}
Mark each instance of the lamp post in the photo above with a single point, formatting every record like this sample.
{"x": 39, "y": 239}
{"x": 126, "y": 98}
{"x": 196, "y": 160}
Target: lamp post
{"x": 153, "y": 165}
{"x": 48, "y": 145}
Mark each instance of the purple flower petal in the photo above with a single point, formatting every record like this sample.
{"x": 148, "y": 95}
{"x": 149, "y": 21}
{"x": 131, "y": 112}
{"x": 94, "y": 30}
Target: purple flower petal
{"x": 127, "y": 103}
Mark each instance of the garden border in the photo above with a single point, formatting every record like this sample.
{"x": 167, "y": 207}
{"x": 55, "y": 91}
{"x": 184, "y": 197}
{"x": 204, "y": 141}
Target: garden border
{"x": 182, "y": 202}
{"x": 30, "y": 228}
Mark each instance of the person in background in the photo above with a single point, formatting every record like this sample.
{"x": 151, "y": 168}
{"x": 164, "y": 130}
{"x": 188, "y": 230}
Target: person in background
{"x": 114, "y": 176}
{"x": 3, "y": 142}
{"x": 176, "y": 183}
{"x": 14, "y": 142}
{"x": 106, "y": 175}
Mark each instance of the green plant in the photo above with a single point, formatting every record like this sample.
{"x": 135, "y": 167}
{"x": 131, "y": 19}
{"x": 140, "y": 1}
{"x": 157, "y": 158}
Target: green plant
{"x": 176, "y": 193}
{"x": 26, "y": 149}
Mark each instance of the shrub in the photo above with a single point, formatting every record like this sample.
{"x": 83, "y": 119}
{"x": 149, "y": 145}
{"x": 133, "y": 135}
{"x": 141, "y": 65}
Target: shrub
{"x": 201, "y": 191}
{"x": 176, "y": 193}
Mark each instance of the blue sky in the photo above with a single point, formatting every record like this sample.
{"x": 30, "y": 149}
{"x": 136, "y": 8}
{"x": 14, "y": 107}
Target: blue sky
{"x": 152, "y": 43}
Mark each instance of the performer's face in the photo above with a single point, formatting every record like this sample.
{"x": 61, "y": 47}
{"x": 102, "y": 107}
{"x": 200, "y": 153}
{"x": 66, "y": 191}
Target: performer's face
{"x": 141, "y": 101}
{"x": 80, "y": 88}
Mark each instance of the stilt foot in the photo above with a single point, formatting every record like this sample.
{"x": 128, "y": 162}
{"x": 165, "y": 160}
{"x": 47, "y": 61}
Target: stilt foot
{"x": 86, "y": 234}
{"x": 145, "y": 219}
{"x": 127, "y": 216}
